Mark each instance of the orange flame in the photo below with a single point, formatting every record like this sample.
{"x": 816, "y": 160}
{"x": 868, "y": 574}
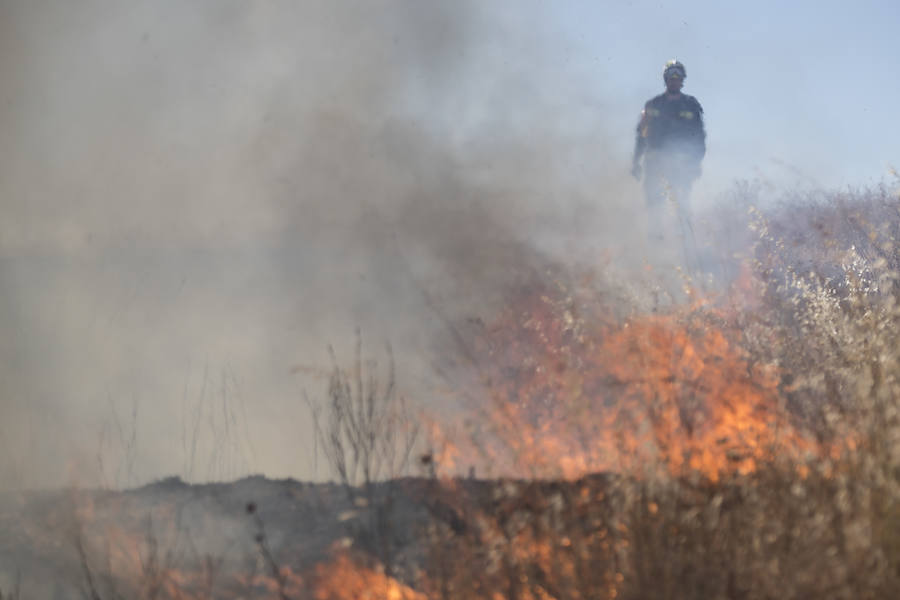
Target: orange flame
{"x": 345, "y": 579}
{"x": 117, "y": 552}
{"x": 573, "y": 391}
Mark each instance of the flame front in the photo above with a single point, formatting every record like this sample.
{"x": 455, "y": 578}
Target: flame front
{"x": 573, "y": 391}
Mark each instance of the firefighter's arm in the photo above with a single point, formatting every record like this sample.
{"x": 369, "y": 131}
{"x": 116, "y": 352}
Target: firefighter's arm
{"x": 640, "y": 144}
{"x": 701, "y": 133}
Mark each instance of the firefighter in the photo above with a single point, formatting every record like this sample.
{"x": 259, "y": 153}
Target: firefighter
{"x": 671, "y": 143}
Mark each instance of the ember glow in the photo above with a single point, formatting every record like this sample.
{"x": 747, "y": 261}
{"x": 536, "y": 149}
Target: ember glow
{"x": 345, "y": 579}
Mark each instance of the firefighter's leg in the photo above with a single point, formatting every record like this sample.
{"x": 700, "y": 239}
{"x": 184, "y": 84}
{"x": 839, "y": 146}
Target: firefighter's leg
{"x": 654, "y": 201}
{"x": 686, "y": 233}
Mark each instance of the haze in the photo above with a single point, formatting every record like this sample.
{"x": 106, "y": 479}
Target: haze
{"x": 199, "y": 197}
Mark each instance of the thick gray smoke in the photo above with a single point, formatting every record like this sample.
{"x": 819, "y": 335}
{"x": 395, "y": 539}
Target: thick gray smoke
{"x": 199, "y": 197}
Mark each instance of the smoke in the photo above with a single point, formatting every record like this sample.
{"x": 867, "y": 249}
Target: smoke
{"x": 199, "y": 197}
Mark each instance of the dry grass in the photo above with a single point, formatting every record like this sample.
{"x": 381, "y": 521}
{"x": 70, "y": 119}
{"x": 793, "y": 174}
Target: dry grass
{"x": 825, "y": 279}
{"x": 815, "y": 310}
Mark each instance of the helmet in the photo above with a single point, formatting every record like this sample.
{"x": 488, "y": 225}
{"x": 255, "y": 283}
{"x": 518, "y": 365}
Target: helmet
{"x": 673, "y": 67}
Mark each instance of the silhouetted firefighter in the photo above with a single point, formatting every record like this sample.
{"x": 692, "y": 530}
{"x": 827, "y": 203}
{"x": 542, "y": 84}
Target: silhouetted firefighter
{"x": 671, "y": 142}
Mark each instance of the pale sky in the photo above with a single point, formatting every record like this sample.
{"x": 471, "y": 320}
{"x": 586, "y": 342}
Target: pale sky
{"x": 200, "y": 196}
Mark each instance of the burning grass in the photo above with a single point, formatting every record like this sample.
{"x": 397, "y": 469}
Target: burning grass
{"x": 745, "y": 444}
{"x": 754, "y": 435}
{"x": 654, "y": 394}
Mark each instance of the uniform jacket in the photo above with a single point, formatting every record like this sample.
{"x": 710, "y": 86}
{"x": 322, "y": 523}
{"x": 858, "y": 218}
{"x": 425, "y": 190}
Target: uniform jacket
{"x": 671, "y": 125}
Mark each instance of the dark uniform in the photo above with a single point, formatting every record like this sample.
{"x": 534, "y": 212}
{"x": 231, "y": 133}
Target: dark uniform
{"x": 671, "y": 140}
